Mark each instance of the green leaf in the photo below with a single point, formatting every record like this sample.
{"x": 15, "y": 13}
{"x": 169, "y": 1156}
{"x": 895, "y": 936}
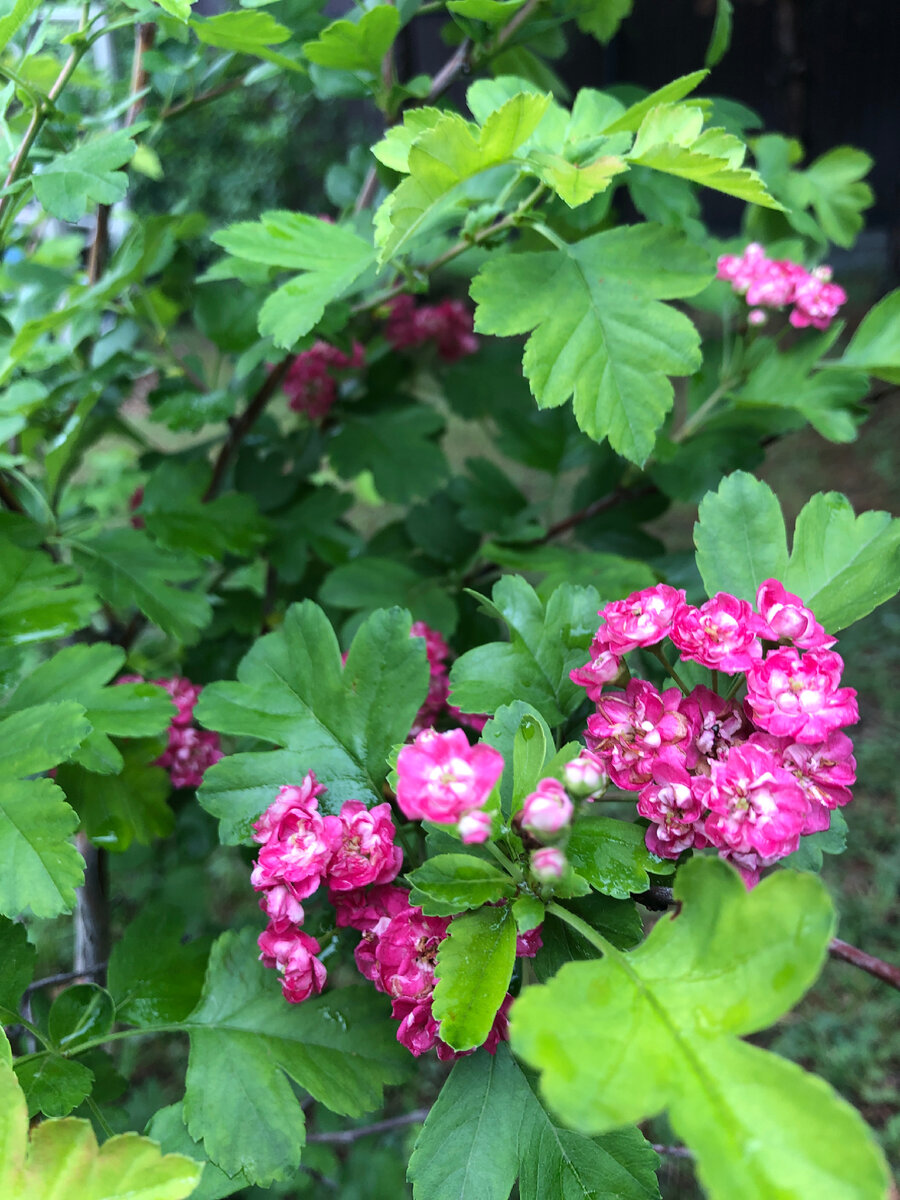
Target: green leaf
{"x": 79, "y": 1014}
{"x": 176, "y": 514}
{"x": 176, "y": 8}
{"x": 601, "y": 335}
{"x": 671, "y": 139}
{"x": 339, "y": 721}
{"x": 130, "y": 806}
{"x": 602, "y": 18}
{"x": 522, "y": 736}
{"x": 468, "y": 1148}
{"x": 449, "y": 883}
{"x": 340, "y": 1047}
{"x": 129, "y": 570}
{"x": 37, "y": 598}
{"x": 740, "y": 537}
{"x": 547, "y": 642}
{"x": 492, "y": 12}
{"x": 875, "y": 347}
{"x": 17, "y": 956}
{"x": 53, "y": 1085}
{"x": 72, "y": 183}
{"x": 630, "y": 120}
{"x": 81, "y": 673}
{"x": 154, "y": 978}
{"x": 38, "y": 738}
{"x": 167, "y": 1127}
{"x": 812, "y": 847}
{"x": 61, "y": 1158}
{"x": 833, "y": 188}
{"x": 575, "y": 183}
{"x": 473, "y": 971}
{"x": 612, "y": 575}
{"x": 616, "y": 920}
{"x": 330, "y": 257}
{"x": 398, "y": 447}
{"x": 843, "y": 566}
{"x": 444, "y": 156}
{"x": 238, "y": 787}
{"x": 620, "y": 1039}
{"x": 611, "y": 855}
{"x": 244, "y": 32}
{"x": 487, "y": 1126}
{"x": 367, "y": 583}
{"x": 356, "y": 46}
{"x": 13, "y": 20}
{"x": 721, "y": 34}
{"x": 41, "y": 868}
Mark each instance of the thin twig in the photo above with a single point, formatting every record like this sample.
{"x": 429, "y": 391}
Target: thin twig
{"x": 457, "y": 63}
{"x": 178, "y": 110}
{"x": 64, "y": 977}
{"x": 594, "y": 509}
{"x": 673, "y": 1151}
{"x": 8, "y": 498}
{"x": 244, "y": 423}
{"x": 343, "y": 1137}
{"x": 882, "y": 970}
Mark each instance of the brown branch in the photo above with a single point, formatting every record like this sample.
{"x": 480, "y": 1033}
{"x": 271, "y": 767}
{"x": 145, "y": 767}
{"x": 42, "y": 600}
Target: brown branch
{"x": 866, "y": 962}
{"x": 65, "y": 977}
{"x": 177, "y": 110}
{"x": 456, "y": 64}
{"x": 242, "y": 425}
{"x": 593, "y": 510}
{"x": 343, "y": 1137}
{"x": 673, "y": 1151}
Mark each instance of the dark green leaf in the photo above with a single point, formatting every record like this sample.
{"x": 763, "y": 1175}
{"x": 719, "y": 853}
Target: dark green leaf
{"x": 16, "y": 964}
{"x": 611, "y": 856}
{"x": 41, "y": 867}
{"x": 721, "y": 34}
{"x": 740, "y": 537}
{"x": 154, "y": 977}
{"x": 53, "y": 1085}
{"x": 875, "y": 347}
{"x": 131, "y": 806}
{"x": 37, "y": 598}
{"x": 397, "y": 447}
{"x": 83, "y": 1012}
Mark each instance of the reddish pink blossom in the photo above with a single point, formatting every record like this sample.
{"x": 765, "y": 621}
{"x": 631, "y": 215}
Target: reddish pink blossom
{"x": 594, "y": 675}
{"x": 440, "y": 776}
{"x": 817, "y": 300}
{"x": 740, "y": 270}
{"x": 716, "y": 724}
{"x": 757, "y": 316}
{"x": 629, "y": 732}
{"x": 529, "y": 942}
{"x": 782, "y": 615}
{"x": 500, "y": 1028}
{"x": 669, "y": 802}
{"x": 189, "y": 754}
{"x": 281, "y": 905}
{"x": 310, "y": 385}
{"x": 775, "y": 284}
{"x": 406, "y": 953}
{"x": 298, "y": 842}
{"x": 642, "y": 619}
{"x": 137, "y": 521}
{"x": 721, "y": 634}
{"x": 547, "y": 809}
{"x": 292, "y": 953}
{"x": 185, "y": 695}
{"x": 799, "y": 696}
{"x": 364, "y": 909}
{"x": 366, "y": 852}
{"x": 475, "y": 827}
{"x": 756, "y": 806}
{"x": 418, "y": 1030}
{"x": 474, "y": 721}
{"x": 585, "y": 776}
{"x": 448, "y": 325}
{"x": 826, "y": 772}
{"x": 437, "y": 652}
{"x": 548, "y": 864}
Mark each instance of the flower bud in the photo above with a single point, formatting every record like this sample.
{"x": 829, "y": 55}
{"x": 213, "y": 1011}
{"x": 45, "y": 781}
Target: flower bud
{"x": 548, "y": 864}
{"x": 585, "y": 777}
{"x": 548, "y": 809}
{"x": 474, "y": 826}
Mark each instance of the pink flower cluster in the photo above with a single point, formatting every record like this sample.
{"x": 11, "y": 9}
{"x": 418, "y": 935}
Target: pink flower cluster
{"x": 190, "y": 750}
{"x": 441, "y": 778}
{"x": 435, "y": 704}
{"x": 398, "y": 953}
{"x": 774, "y": 283}
{"x": 747, "y": 777}
{"x": 299, "y": 850}
{"x": 310, "y": 384}
{"x": 448, "y": 325}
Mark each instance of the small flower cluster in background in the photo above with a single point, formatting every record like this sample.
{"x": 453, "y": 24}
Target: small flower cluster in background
{"x": 448, "y": 325}
{"x": 435, "y": 704}
{"x": 190, "y": 750}
{"x": 310, "y": 383}
{"x": 747, "y": 777}
{"x": 775, "y": 283}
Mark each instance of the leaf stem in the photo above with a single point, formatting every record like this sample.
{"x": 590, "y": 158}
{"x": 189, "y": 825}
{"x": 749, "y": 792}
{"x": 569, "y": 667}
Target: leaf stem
{"x": 98, "y": 1116}
{"x": 697, "y": 418}
{"x": 507, "y": 863}
{"x": 658, "y": 652}
{"x": 597, "y": 940}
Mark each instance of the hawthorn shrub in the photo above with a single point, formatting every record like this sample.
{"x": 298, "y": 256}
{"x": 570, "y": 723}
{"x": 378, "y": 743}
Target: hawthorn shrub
{"x": 328, "y": 582}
